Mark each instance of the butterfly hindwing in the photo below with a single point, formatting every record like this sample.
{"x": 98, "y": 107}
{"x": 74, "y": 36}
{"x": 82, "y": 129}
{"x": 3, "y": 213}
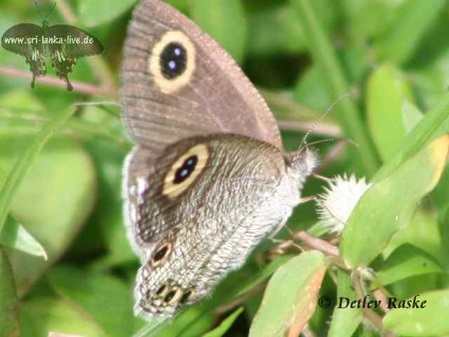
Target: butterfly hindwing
{"x": 155, "y": 192}
{"x": 78, "y": 42}
{"x": 186, "y": 233}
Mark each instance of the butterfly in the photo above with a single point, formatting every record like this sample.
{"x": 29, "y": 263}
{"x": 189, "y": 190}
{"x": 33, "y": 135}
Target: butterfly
{"x": 64, "y": 44}
{"x": 208, "y": 178}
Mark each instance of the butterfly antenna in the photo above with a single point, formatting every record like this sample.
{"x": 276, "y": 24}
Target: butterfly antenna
{"x": 50, "y": 10}
{"x": 38, "y": 10}
{"x": 319, "y": 120}
{"x": 331, "y": 139}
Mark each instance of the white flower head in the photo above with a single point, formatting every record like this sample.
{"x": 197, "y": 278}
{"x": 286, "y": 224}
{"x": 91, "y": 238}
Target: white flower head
{"x": 340, "y": 197}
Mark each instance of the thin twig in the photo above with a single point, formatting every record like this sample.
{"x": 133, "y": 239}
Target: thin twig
{"x": 56, "y": 82}
{"x": 378, "y": 294}
{"x": 316, "y": 243}
{"x": 370, "y": 315}
{"x": 238, "y": 301}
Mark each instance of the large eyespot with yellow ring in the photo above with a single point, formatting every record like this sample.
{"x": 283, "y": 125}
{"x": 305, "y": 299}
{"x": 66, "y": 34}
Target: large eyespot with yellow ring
{"x": 185, "y": 170}
{"x": 172, "y": 61}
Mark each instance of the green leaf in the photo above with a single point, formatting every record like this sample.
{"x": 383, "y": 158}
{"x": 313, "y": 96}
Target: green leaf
{"x": 423, "y": 232}
{"x": 42, "y": 315}
{"x": 403, "y": 36}
{"x": 378, "y": 214}
{"x": 387, "y": 91}
{"x": 194, "y": 321}
{"x": 440, "y": 196}
{"x": 225, "y": 325}
{"x": 362, "y": 18}
{"x": 96, "y": 12}
{"x": 225, "y": 21}
{"x": 434, "y": 124}
{"x": 21, "y": 102}
{"x": 26, "y": 160}
{"x": 291, "y": 296}
{"x": 407, "y": 261}
{"x": 310, "y": 91}
{"x": 345, "y": 321}
{"x": 53, "y": 200}
{"x": 428, "y": 321}
{"x": 261, "y": 276}
{"x": 15, "y": 236}
{"x": 107, "y": 217}
{"x": 411, "y": 115}
{"x": 430, "y": 75}
{"x": 445, "y": 237}
{"x": 9, "y": 305}
{"x": 286, "y": 38}
{"x": 107, "y": 300}
{"x": 180, "y": 5}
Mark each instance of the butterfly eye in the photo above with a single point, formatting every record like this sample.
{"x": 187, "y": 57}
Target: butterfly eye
{"x": 185, "y": 170}
{"x": 161, "y": 253}
{"x": 172, "y": 61}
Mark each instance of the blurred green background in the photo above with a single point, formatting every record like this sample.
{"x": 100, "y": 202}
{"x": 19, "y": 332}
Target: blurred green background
{"x": 63, "y": 201}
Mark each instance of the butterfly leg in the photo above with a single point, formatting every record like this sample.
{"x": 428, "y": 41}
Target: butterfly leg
{"x": 278, "y": 228}
{"x": 282, "y": 223}
{"x": 306, "y": 199}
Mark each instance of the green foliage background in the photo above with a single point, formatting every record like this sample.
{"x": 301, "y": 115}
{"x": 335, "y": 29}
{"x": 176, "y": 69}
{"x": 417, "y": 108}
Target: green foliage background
{"x": 60, "y": 170}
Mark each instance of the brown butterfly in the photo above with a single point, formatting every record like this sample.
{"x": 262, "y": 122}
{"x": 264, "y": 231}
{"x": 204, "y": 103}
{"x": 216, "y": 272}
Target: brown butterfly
{"x": 208, "y": 178}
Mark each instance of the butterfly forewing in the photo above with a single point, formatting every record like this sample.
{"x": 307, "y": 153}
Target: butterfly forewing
{"x": 77, "y": 42}
{"x": 22, "y": 39}
{"x": 65, "y": 44}
{"x": 177, "y": 82}
{"x": 25, "y": 39}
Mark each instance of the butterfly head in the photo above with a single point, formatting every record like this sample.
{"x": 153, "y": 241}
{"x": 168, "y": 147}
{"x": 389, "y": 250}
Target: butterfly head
{"x": 303, "y": 162}
{"x": 44, "y": 17}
